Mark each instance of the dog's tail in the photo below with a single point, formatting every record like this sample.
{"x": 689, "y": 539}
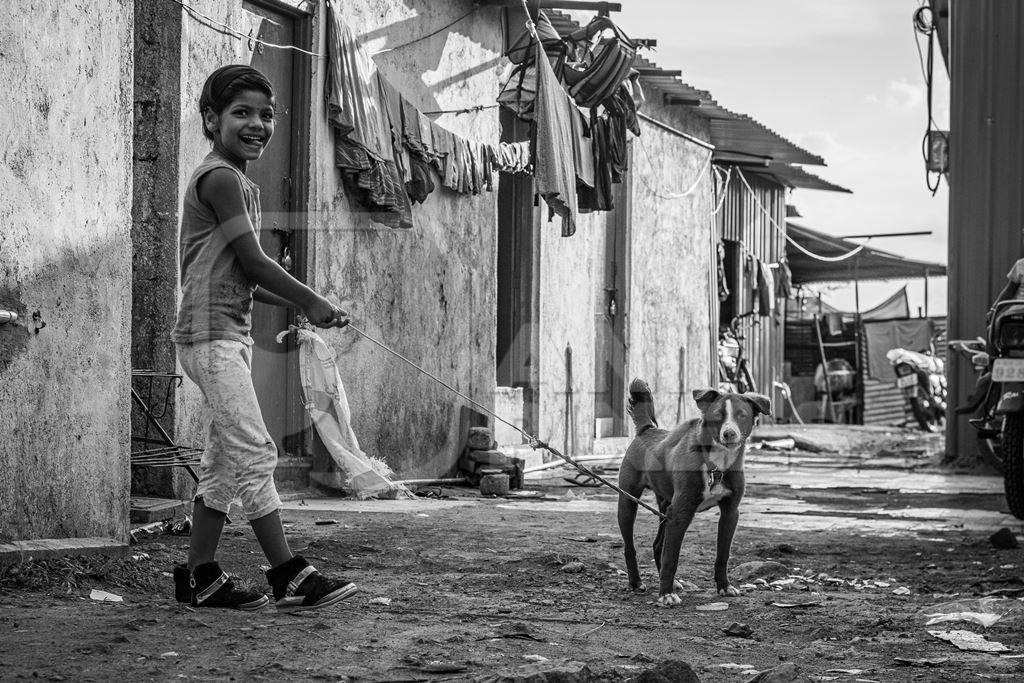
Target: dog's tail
{"x": 641, "y": 406}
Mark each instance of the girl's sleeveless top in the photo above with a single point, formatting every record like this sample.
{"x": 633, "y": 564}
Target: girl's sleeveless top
{"x": 216, "y": 295}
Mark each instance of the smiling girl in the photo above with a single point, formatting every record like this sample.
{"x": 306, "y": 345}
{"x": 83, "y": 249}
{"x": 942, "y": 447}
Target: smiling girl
{"x": 223, "y": 269}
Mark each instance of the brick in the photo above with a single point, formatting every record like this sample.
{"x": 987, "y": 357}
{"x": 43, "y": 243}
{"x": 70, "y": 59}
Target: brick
{"x": 480, "y": 439}
{"x": 490, "y": 458}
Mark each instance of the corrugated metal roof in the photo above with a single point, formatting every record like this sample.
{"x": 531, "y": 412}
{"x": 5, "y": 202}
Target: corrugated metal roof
{"x": 794, "y": 176}
{"x": 730, "y": 131}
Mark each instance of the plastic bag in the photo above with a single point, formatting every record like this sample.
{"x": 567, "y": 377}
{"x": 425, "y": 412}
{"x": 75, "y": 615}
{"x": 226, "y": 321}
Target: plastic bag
{"x": 982, "y": 611}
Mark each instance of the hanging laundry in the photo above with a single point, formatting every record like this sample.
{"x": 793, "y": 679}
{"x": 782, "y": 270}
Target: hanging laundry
{"x": 583, "y": 155}
{"x": 600, "y": 198}
{"x": 765, "y": 288}
{"x": 554, "y": 169}
{"x": 363, "y": 144}
{"x": 511, "y": 157}
{"x": 723, "y": 280}
{"x": 784, "y": 284}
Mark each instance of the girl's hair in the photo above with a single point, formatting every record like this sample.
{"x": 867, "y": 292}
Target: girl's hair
{"x": 225, "y": 83}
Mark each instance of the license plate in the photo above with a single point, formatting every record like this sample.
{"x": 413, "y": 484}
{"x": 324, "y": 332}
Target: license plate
{"x": 906, "y": 381}
{"x": 1008, "y": 370}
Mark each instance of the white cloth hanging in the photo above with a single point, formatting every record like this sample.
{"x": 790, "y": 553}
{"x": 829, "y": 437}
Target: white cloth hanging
{"x": 323, "y": 396}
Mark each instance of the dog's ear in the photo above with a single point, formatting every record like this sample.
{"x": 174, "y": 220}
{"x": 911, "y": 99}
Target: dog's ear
{"x": 705, "y": 397}
{"x": 760, "y": 402}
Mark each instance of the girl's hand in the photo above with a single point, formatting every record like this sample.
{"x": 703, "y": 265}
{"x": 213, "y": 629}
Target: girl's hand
{"x": 325, "y": 313}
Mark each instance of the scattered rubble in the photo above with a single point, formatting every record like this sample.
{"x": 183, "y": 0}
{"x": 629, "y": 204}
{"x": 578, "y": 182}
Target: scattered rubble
{"x": 1004, "y": 539}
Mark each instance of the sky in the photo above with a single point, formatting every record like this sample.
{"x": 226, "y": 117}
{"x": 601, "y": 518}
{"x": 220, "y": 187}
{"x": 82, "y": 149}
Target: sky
{"x": 841, "y": 79}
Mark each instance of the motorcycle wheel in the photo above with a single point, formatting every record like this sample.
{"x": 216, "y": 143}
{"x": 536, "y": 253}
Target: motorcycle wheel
{"x": 1011, "y": 450}
{"x": 925, "y": 416}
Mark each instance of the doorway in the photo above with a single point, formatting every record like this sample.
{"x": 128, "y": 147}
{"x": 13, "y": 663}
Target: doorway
{"x": 280, "y": 175}
{"x": 612, "y": 316}
{"x": 518, "y": 275}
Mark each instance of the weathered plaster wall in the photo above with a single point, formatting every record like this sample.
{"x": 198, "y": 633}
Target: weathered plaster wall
{"x": 428, "y": 292}
{"x": 571, "y": 268}
{"x": 65, "y": 178}
{"x": 671, "y": 261}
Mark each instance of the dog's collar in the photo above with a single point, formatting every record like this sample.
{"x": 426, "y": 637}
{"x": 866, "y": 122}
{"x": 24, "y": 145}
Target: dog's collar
{"x": 714, "y": 474}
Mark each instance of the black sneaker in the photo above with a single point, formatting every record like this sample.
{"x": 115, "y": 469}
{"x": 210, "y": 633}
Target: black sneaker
{"x": 299, "y": 586}
{"x": 208, "y": 586}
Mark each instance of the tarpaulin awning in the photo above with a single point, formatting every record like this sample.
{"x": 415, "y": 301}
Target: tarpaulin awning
{"x": 894, "y": 307}
{"x": 867, "y": 264}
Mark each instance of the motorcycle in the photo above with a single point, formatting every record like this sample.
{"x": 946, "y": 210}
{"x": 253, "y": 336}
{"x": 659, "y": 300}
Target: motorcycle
{"x": 998, "y": 402}
{"x": 922, "y": 379}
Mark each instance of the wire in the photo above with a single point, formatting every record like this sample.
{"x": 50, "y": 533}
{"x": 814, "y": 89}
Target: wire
{"x": 224, "y": 29}
{"x": 673, "y": 195}
{"x": 428, "y": 35}
{"x": 467, "y": 110}
{"x": 800, "y": 247}
{"x": 533, "y": 441}
{"x": 923, "y": 21}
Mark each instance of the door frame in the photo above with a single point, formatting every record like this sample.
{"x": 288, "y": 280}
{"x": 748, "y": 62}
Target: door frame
{"x": 299, "y": 434}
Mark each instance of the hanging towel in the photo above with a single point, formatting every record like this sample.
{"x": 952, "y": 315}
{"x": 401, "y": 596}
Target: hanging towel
{"x": 324, "y": 398}
{"x": 553, "y": 165}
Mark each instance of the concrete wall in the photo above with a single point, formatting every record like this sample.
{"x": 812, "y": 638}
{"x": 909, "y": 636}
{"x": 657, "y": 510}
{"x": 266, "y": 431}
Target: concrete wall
{"x": 65, "y": 178}
{"x": 428, "y": 292}
{"x": 671, "y": 261}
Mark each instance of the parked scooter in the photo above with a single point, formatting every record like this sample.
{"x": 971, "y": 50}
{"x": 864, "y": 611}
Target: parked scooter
{"x": 922, "y": 378}
{"x": 998, "y": 401}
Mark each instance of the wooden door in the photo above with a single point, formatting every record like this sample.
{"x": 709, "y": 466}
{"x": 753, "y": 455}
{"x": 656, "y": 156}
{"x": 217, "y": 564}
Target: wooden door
{"x": 275, "y": 366}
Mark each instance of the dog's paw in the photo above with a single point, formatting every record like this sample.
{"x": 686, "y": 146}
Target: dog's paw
{"x": 639, "y": 588}
{"x": 669, "y": 600}
{"x": 730, "y": 591}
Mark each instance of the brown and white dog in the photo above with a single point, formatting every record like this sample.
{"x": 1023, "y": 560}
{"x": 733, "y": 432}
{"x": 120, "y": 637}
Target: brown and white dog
{"x": 695, "y": 466}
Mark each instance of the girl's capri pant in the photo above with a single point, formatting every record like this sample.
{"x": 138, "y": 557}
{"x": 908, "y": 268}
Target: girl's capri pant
{"x": 240, "y": 454}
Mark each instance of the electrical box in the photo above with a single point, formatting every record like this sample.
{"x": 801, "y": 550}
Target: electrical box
{"x": 938, "y": 151}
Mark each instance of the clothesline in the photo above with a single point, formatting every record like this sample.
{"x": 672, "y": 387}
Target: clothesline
{"x": 223, "y": 28}
{"x": 782, "y": 231}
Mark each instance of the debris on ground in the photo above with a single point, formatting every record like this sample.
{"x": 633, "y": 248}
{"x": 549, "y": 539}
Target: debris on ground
{"x": 982, "y": 611}
{"x": 902, "y": 590}
{"x": 563, "y": 671}
{"x": 786, "y": 672}
{"x": 738, "y": 630}
{"x": 669, "y": 671}
{"x": 713, "y": 607}
{"x": 1004, "y": 539}
{"x": 381, "y": 601}
{"x": 104, "y": 596}
{"x": 796, "y": 605}
{"x": 748, "y": 571}
{"x": 922, "y": 662}
{"x": 573, "y": 567}
{"x": 970, "y": 641}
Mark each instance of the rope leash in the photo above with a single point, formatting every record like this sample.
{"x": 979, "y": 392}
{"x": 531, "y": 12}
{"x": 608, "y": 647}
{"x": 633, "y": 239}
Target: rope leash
{"x": 534, "y": 442}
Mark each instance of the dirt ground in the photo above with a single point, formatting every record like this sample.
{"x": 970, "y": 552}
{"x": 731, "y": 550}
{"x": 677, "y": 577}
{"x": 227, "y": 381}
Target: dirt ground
{"x": 457, "y": 587}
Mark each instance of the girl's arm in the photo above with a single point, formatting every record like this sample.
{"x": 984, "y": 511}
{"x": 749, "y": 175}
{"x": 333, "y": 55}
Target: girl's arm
{"x": 221, "y": 191}
{"x": 271, "y": 299}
